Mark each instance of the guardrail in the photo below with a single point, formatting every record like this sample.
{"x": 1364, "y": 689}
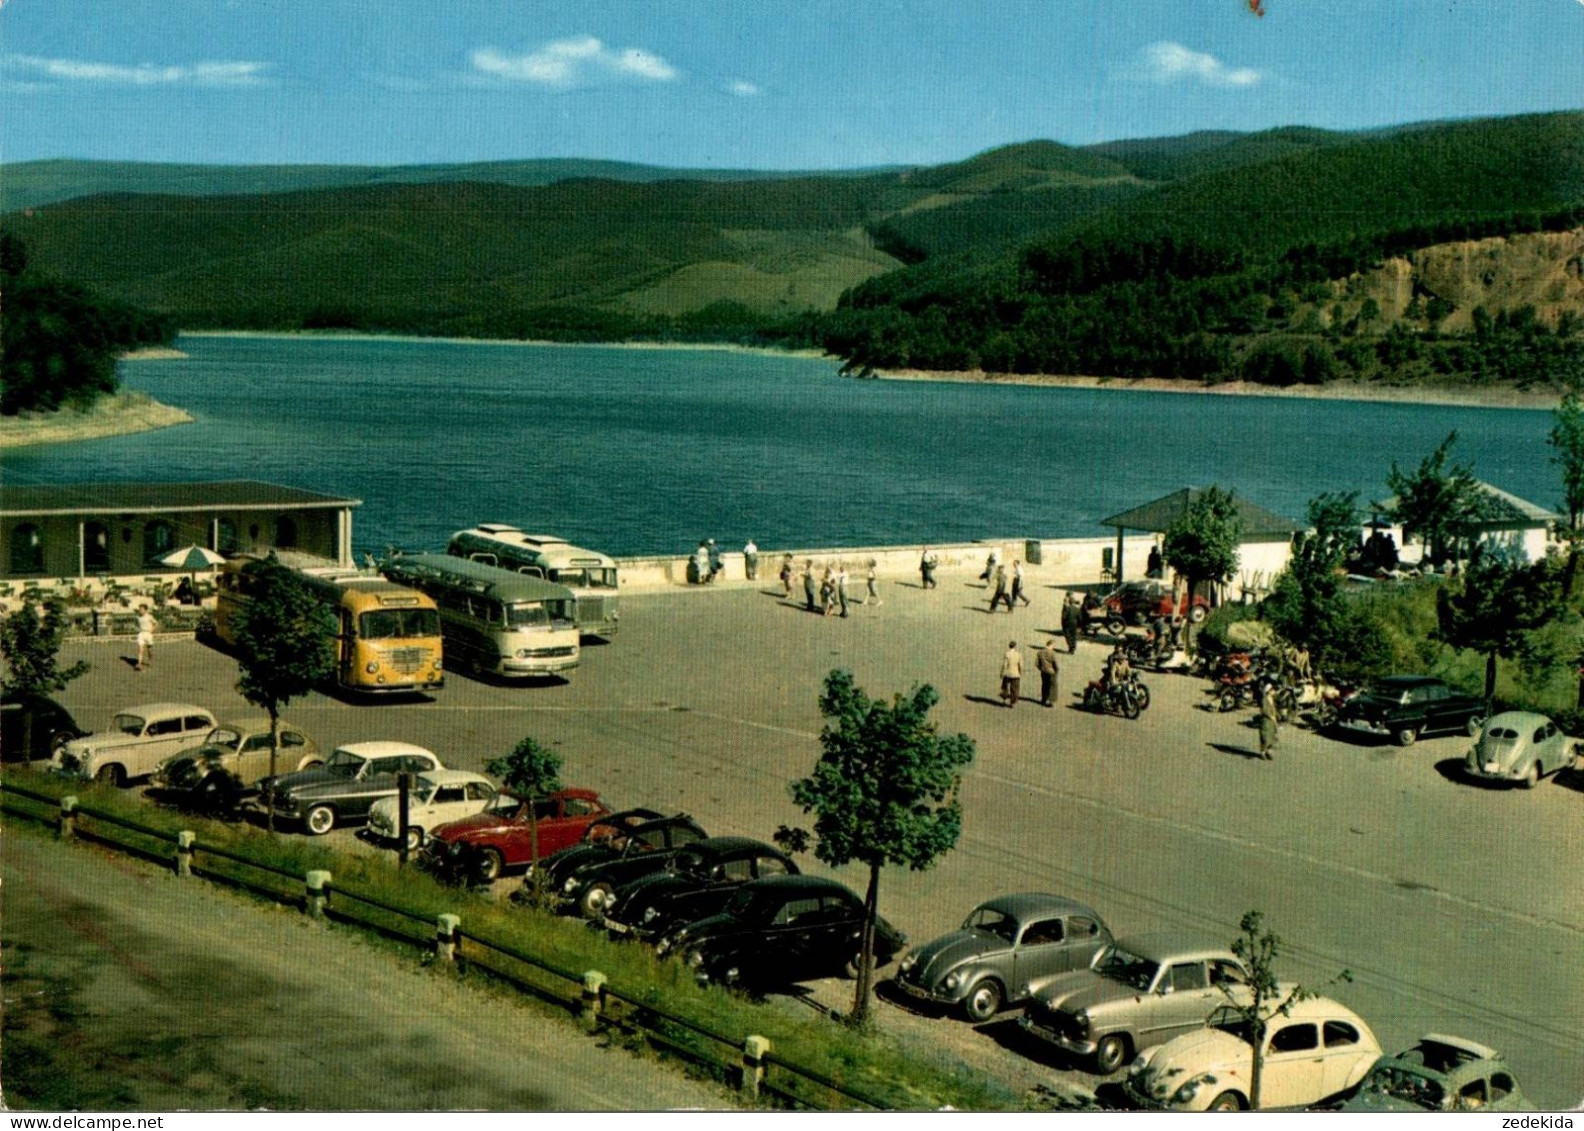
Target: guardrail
{"x": 589, "y": 995}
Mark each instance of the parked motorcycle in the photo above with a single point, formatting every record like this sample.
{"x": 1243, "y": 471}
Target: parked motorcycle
{"x": 1128, "y": 697}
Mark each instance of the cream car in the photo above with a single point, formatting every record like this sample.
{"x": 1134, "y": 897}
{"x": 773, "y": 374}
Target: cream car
{"x": 139, "y": 739}
{"x": 1320, "y": 1049}
{"x": 438, "y": 798}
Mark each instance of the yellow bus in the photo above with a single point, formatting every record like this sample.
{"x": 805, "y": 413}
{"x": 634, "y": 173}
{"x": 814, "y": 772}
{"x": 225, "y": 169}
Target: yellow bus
{"x": 387, "y": 636}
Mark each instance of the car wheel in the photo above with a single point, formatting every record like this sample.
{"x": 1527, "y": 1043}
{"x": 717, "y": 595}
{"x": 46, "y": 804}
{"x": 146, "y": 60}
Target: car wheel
{"x": 415, "y": 839}
{"x": 1532, "y": 778}
{"x": 490, "y": 865}
{"x": 1406, "y": 736}
{"x": 215, "y": 793}
{"x": 595, "y": 899}
{"x": 1229, "y": 700}
{"x": 983, "y": 1001}
{"x": 58, "y": 739}
{"x": 319, "y": 820}
{"x": 111, "y": 775}
{"x": 1111, "y": 1054}
{"x": 1226, "y": 1101}
{"x": 1116, "y": 626}
{"x": 1472, "y": 728}
{"x": 1196, "y": 613}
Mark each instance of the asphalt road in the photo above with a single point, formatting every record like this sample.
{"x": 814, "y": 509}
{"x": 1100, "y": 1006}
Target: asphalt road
{"x": 1457, "y": 908}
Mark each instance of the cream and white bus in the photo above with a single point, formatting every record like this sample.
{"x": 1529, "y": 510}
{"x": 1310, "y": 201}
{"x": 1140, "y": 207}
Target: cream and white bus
{"x": 590, "y": 574}
{"x": 494, "y": 620}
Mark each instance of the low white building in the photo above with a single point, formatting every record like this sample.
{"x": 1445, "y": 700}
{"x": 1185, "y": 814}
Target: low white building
{"x": 1264, "y": 547}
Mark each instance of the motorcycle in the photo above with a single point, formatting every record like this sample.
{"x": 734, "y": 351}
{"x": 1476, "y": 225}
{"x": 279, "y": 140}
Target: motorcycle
{"x": 1128, "y": 697}
{"x": 1328, "y": 698}
{"x": 1248, "y": 693}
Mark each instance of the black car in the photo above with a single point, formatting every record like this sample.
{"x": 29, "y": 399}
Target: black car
{"x": 1403, "y": 707}
{"x": 695, "y": 884}
{"x": 782, "y": 929}
{"x": 33, "y": 727}
{"x": 614, "y": 851}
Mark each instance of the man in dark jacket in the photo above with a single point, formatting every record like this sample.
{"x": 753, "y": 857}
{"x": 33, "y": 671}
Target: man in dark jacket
{"x": 1045, "y": 662}
{"x": 1070, "y": 618}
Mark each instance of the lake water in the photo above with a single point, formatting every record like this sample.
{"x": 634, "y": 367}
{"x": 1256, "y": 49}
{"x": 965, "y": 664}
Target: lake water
{"x": 638, "y": 451}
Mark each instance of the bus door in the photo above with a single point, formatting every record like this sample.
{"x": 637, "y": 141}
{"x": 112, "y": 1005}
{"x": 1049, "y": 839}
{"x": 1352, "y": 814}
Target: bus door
{"x": 346, "y": 647}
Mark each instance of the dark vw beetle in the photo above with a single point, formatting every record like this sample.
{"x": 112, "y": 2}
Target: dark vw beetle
{"x": 782, "y": 929}
{"x": 695, "y": 884}
{"x": 1006, "y": 950}
{"x": 614, "y": 851}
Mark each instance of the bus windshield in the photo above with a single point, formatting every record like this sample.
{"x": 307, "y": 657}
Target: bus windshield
{"x": 527, "y": 616}
{"x": 584, "y": 578}
{"x": 386, "y": 624}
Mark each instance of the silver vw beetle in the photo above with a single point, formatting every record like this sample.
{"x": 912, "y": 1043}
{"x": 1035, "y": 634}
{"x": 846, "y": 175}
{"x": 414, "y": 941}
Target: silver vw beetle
{"x": 1007, "y": 949}
{"x": 1519, "y": 746}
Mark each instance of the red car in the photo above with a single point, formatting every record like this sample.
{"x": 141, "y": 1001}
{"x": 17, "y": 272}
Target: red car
{"x": 1138, "y": 602}
{"x": 500, "y": 839}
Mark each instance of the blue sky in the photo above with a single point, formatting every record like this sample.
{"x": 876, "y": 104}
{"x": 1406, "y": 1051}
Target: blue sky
{"x": 775, "y": 84}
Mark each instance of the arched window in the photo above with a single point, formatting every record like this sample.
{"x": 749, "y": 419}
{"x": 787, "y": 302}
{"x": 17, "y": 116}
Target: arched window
{"x": 27, "y": 549}
{"x": 285, "y": 532}
{"x": 226, "y": 537}
{"x": 159, "y": 539}
{"x": 96, "y": 547}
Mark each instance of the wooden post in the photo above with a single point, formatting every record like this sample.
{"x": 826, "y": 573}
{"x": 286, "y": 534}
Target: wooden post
{"x": 184, "y": 851}
{"x": 318, "y": 879}
{"x": 404, "y": 784}
{"x": 755, "y": 1049}
{"x": 66, "y": 825}
{"x": 446, "y": 937}
{"x": 593, "y": 999}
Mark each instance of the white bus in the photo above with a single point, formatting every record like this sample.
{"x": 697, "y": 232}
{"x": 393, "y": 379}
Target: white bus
{"x": 494, "y": 620}
{"x": 589, "y": 574}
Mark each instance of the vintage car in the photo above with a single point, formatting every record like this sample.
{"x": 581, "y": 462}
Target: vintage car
{"x": 696, "y": 883}
{"x": 613, "y": 852}
{"x": 1139, "y": 992}
{"x": 1519, "y": 746}
{"x": 344, "y": 788}
{"x": 1440, "y": 1073}
{"x": 139, "y": 738}
{"x": 780, "y": 930}
{"x": 234, "y": 756}
{"x": 1137, "y": 602}
{"x": 437, "y": 798}
{"x": 1008, "y": 949}
{"x": 1404, "y": 707}
{"x": 33, "y": 727}
{"x": 501, "y": 839}
{"x": 1317, "y": 1050}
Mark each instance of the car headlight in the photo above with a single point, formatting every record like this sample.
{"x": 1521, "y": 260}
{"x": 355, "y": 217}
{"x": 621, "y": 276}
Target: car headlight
{"x": 1140, "y": 1062}
{"x": 651, "y": 913}
{"x": 694, "y": 959}
{"x": 1188, "y": 1091}
{"x": 571, "y": 885}
{"x": 1081, "y": 1018}
{"x": 951, "y": 981}
{"x": 907, "y": 963}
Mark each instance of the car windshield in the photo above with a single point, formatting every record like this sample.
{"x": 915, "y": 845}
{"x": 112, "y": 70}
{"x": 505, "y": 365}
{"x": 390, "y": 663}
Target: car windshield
{"x": 1128, "y": 968}
{"x": 388, "y": 624}
{"x": 346, "y": 763}
{"x": 690, "y": 863}
{"x": 527, "y": 615}
{"x": 224, "y": 736}
{"x": 128, "y": 724}
{"x": 1405, "y": 1084}
{"x": 997, "y": 923}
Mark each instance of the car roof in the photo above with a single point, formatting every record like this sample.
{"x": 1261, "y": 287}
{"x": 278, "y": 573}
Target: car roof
{"x": 720, "y": 845}
{"x": 381, "y": 748}
{"x": 163, "y": 710}
{"x": 1407, "y": 680}
{"x": 1320, "y": 1009}
{"x": 1168, "y": 945}
{"x": 1028, "y": 904}
{"x": 576, "y": 791}
{"x": 254, "y": 722}
{"x": 1518, "y": 720}
{"x": 806, "y": 885}
{"x": 451, "y": 777}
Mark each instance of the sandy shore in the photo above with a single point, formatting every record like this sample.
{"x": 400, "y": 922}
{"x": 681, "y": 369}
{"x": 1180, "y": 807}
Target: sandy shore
{"x": 1336, "y": 391}
{"x": 153, "y": 353}
{"x": 339, "y": 336}
{"x": 113, "y": 416}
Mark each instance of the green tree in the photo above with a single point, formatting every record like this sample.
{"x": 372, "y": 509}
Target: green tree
{"x": 1202, "y": 544}
{"x": 282, "y": 644}
{"x": 1497, "y": 606}
{"x": 532, "y": 772}
{"x": 1436, "y": 502}
{"x": 1307, "y": 603}
{"x": 31, "y": 648}
{"x": 883, "y": 792}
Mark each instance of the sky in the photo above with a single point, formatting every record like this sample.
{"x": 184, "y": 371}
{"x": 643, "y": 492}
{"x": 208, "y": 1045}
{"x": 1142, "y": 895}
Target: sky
{"x": 763, "y": 84}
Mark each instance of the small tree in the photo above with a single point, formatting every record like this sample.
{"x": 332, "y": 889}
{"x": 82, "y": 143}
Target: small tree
{"x": 31, "y": 647}
{"x": 532, "y": 772}
{"x": 1267, "y": 998}
{"x": 1499, "y": 604}
{"x": 1436, "y": 502}
{"x": 884, "y": 792}
{"x": 1202, "y": 544}
{"x": 282, "y": 643}
{"x": 1307, "y": 603}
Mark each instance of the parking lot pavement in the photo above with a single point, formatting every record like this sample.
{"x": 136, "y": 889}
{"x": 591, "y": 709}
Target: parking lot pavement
{"x": 1457, "y": 908}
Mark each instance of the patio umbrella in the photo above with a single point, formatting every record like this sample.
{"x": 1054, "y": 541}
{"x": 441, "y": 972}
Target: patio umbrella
{"x": 192, "y": 559}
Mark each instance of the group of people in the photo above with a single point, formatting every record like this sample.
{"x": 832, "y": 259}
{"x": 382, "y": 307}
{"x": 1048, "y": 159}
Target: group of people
{"x": 705, "y": 564}
{"x": 828, "y": 595}
{"x": 1005, "y": 588}
{"x": 1012, "y": 673}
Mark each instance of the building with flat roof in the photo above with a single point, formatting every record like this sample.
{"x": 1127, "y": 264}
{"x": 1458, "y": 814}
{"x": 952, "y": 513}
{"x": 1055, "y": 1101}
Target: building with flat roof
{"x": 116, "y": 529}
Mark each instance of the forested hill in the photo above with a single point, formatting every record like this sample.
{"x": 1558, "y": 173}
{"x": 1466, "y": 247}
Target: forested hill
{"x": 1433, "y": 250}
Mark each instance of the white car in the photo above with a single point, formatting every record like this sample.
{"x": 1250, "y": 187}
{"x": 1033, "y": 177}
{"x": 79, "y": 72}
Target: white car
{"x": 1319, "y": 1050}
{"x": 139, "y": 739}
{"x": 438, "y": 798}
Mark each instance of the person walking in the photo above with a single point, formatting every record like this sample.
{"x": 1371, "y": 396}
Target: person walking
{"x": 751, "y": 560}
{"x": 786, "y": 577}
{"x": 145, "y": 638}
{"x": 1069, "y": 622}
{"x": 808, "y": 583}
{"x": 872, "y": 597}
{"x": 990, "y": 567}
{"x": 841, "y": 588}
{"x": 1017, "y": 586}
{"x": 1000, "y": 593}
{"x": 1011, "y": 674}
{"x": 1045, "y": 662}
{"x": 1269, "y": 722}
{"x": 828, "y": 592}
{"x": 927, "y": 563}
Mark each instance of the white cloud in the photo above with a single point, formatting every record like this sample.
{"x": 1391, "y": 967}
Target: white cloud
{"x": 579, "y": 61}
{"x": 1172, "y": 62}
{"x": 742, "y": 88}
{"x": 226, "y": 73}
